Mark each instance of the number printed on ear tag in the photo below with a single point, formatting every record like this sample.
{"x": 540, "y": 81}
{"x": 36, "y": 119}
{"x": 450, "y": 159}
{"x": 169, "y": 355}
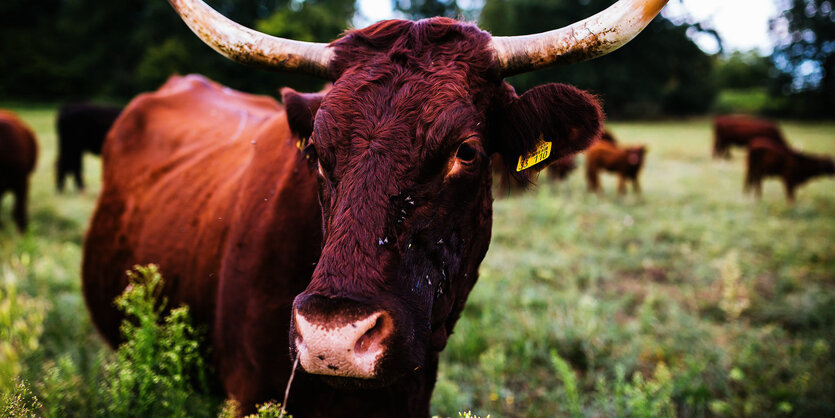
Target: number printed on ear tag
{"x": 541, "y": 153}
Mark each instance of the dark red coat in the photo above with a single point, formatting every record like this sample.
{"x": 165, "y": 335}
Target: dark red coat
{"x": 767, "y": 158}
{"x": 739, "y": 130}
{"x": 18, "y": 154}
{"x": 209, "y": 183}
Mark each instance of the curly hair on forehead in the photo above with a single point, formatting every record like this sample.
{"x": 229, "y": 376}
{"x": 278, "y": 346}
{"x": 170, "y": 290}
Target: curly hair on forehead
{"x": 436, "y": 45}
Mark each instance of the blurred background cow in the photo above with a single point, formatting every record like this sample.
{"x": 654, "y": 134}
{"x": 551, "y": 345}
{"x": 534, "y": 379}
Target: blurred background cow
{"x": 768, "y": 158}
{"x": 81, "y": 128}
{"x": 18, "y": 154}
{"x": 624, "y": 161}
{"x": 739, "y": 130}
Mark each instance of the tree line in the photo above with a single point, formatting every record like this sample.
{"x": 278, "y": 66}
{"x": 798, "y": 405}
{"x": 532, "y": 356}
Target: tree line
{"x": 59, "y": 50}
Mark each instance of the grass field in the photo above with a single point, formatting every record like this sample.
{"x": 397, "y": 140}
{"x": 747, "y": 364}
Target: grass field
{"x": 690, "y": 300}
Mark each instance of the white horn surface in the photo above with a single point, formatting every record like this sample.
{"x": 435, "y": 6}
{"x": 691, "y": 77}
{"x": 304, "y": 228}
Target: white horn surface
{"x": 590, "y": 38}
{"x": 247, "y": 46}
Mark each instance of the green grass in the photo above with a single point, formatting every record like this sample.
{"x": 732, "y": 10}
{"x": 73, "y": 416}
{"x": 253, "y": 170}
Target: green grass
{"x": 691, "y": 298}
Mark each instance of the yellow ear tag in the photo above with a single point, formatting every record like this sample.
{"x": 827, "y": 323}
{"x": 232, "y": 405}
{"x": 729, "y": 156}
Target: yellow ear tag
{"x": 300, "y": 144}
{"x": 541, "y": 153}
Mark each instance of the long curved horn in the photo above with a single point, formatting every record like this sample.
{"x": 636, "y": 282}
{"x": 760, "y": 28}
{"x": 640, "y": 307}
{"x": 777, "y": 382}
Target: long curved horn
{"x": 251, "y": 47}
{"x": 582, "y": 41}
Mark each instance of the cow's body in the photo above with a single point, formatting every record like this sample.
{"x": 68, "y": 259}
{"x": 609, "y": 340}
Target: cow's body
{"x": 739, "y": 130}
{"x": 208, "y": 183}
{"x": 82, "y": 128}
{"x": 608, "y": 137}
{"x": 624, "y": 161}
{"x": 18, "y": 154}
{"x": 562, "y": 168}
{"x": 368, "y": 283}
{"x": 767, "y": 158}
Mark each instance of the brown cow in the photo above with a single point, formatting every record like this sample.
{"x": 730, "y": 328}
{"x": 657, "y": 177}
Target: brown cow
{"x": 626, "y": 162}
{"x": 608, "y": 137}
{"x": 82, "y": 128}
{"x": 738, "y": 130}
{"x": 766, "y": 158}
{"x": 18, "y": 154}
{"x": 369, "y": 279}
{"x": 559, "y": 170}
{"x": 562, "y": 168}
{"x": 506, "y": 185}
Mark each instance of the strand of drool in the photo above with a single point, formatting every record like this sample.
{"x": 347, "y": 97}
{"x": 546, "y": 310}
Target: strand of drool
{"x": 287, "y": 391}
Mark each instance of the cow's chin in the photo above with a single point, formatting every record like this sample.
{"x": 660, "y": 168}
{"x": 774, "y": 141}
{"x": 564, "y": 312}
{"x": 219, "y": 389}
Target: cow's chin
{"x": 354, "y": 384}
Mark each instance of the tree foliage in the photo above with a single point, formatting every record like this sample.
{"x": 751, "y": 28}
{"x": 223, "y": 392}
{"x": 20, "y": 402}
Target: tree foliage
{"x": 78, "y": 49}
{"x": 805, "y": 55}
{"x": 660, "y": 72}
{"x": 744, "y": 70}
{"x": 421, "y": 9}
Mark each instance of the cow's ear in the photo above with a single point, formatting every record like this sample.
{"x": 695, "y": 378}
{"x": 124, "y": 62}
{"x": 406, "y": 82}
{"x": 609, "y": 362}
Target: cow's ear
{"x": 300, "y": 108}
{"x": 545, "y": 124}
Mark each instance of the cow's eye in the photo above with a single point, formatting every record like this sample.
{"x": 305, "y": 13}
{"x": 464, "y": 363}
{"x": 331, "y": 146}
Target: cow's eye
{"x": 466, "y": 153}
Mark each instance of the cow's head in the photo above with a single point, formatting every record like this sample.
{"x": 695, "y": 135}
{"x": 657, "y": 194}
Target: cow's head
{"x": 635, "y": 157}
{"x": 402, "y": 145}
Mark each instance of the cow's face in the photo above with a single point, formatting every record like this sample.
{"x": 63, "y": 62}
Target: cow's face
{"x": 401, "y": 146}
{"x": 635, "y": 156}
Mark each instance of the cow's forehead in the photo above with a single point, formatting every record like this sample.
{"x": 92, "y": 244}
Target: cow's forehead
{"x": 420, "y": 110}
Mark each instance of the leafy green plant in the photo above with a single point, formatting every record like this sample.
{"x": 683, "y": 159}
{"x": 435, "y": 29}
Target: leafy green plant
{"x": 271, "y": 409}
{"x": 21, "y": 325}
{"x": 565, "y": 373}
{"x": 19, "y": 402}
{"x": 158, "y": 368}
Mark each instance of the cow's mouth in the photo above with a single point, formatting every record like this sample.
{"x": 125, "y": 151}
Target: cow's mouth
{"x": 351, "y": 384}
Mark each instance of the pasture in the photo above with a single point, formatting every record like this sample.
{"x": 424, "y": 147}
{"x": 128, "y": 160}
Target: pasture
{"x": 689, "y": 300}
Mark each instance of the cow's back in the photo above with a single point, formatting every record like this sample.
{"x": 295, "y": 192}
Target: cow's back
{"x": 740, "y": 130}
{"x": 766, "y": 157}
{"x": 605, "y": 155}
{"x": 186, "y": 170}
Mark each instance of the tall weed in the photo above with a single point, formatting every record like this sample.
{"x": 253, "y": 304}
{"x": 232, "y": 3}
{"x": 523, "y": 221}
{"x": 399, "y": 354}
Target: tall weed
{"x": 21, "y": 325}
{"x": 158, "y": 369}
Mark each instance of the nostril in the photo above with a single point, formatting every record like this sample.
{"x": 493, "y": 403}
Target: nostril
{"x": 340, "y": 347}
{"x": 372, "y": 339}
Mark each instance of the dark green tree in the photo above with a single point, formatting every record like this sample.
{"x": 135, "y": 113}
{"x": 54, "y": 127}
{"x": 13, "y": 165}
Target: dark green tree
{"x": 744, "y": 70}
{"x": 661, "y": 72}
{"x": 80, "y": 49}
{"x": 805, "y": 56}
{"x": 421, "y": 9}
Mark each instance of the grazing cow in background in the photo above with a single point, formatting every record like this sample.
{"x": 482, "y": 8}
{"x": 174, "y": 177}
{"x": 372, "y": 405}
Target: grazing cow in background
{"x": 81, "y": 127}
{"x": 363, "y": 247}
{"x": 561, "y": 168}
{"x": 765, "y": 158}
{"x": 506, "y": 185}
{"x": 739, "y": 130}
{"x": 608, "y": 137}
{"x": 626, "y": 162}
{"x": 18, "y": 154}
